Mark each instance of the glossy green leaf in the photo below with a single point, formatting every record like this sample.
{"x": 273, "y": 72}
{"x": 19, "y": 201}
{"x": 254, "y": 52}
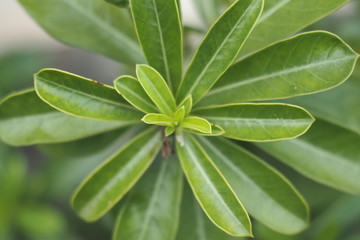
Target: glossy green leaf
{"x": 89, "y": 24}
{"x": 219, "y": 48}
{"x": 254, "y": 181}
{"x": 281, "y": 18}
{"x": 25, "y": 120}
{"x": 153, "y": 210}
{"x": 327, "y": 153}
{"x": 338, "y": 106}
{"x": 119, "y": 3}
{"x": 112, "y": 180}
{"x": 83, "y": 97}
{"x": 308, "y": 63}
{"x": 187, "y": 104}
{"x": 259, "y": 122}
{"x": 157, "y": 89}
{"x": 211, "y": 189}
{"x": 216, "y": 130}
{"x": 131, "y": 89}
{"x": 194, "y": 224}
{"x": 158, "y": 119}
{"x": 197, "y": 124}
{"x": 158, "y": 27}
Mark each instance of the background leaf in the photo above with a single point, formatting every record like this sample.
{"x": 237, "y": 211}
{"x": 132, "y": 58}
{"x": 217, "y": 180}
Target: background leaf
{"x": 219, "y": 48}
{"x": 258, "y": 122}
{"x": 83, "y": 97}
{"x": 25, "y": 120}
{"x": 89, "y": 24}
{"x": 159, "y": 31}
{"x": 153, "y": 210}
{"x": 308, "y": 63}
{"x": 114, "y": 178}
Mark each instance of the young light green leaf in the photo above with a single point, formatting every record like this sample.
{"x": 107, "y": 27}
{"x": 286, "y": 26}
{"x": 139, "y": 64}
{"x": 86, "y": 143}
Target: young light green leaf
{"x": 163, "y": 50}
{"x": 112, "y": 180}
{"x": 197, "y": 124}
{"x": 119, "y": 3}
{"x": 157, "y": 89}
{"x": 158, "y": 119}
{"x": 169, "y": 131}
{"x": 89, "y": 24}
{"x": 259, "y": 122}
{"x": 308, "y": 63}
{"x": 219, "y": 48}
{"x": 211, "y": 190}
{"x": 25, "y": 120}
{"x": 254, "y": 181}
{"x": 83, "y": 97}
{"x": 287, "y": 17}
{"x": 216, "y": 130}
{"x": 187, "y": 104}
{"x": 327, "y": 153}
{"x": 153, "y": 210}
{"x": 131, "y": 89}
{"x": 179, "y": 114}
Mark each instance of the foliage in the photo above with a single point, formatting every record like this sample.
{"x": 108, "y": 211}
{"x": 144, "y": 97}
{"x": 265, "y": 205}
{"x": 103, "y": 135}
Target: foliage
{"x": 194, "y": 122}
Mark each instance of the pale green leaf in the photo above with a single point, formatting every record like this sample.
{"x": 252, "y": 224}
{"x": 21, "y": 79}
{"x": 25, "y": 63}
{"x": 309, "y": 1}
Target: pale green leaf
{"x": 25, "y": 120}
{"x": 211, "y": 189}
{"x": 102, "y": 189}
{"x": 158, "y": 119}
{"x": 216, "y": 130}
{"x": 259, "y": 122}
{"x": 157, "y": 89}
{"x": 281, "y": 18}
{"x": 83, "y": 97}
{"x": 153, "y": 209}
{"x": 179, "y": 114}
{"x": 308, "y": 63}
{"x": 119, "y": 3}
{"x": 327, "y": 153}
{"x": 169, "y": 131}
{"x": 88, "y": 24}
{"x": 197, "y": 124}
{"x": 219, "y": 48}
{"x": 254, "y": 181}
{"x": 187, "y": 104}
{"x": 209, "y": 10}
{"x": 159, "y": 31}
{"x": 131, "y": 89}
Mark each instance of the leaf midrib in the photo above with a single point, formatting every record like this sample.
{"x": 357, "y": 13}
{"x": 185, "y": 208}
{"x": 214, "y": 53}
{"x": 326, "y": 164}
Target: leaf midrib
{"x": 274, "y": 74}
{"x": 139, "y": 97}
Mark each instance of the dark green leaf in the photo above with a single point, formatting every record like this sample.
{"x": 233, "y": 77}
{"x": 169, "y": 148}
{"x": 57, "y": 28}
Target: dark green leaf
{"x": 254, "y": 181}
{"x": 211, "y": 189}
{"x": 153, "y": 209}
{"x": 88, "y": 24}
{"x": 83, "y": 97}
{"x": 259, "y": 122}
{"x": 308, "y": 63}
{"x": 113, "y": 179}
{"x": 131, "y": 89}
{"x": 219, "y": 48}
{"x": 119, "y": 3}
{"x": 25, "y": 119}
{"x": 159, "y": 31}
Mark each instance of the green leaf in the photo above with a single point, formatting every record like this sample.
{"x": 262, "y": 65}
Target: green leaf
{"x": 119, "y": 3}
{"x": 159, "y": 31}
{"x": 219, "y": 48}
{"x": 209, "y": 10}
{"x": 281, "y": 18}
{"x": 153, "y": 210}
{"x": 194, "y": 224}
{"x": 197, "y": 124}
{"x": 179, "y": 114}
{"x": 187, "y": 104}
{"x": 102, "y": 189}
{"x": 131, "y": 89}
{"x": 212, "y": 191}
{"x": 89, "y": 24}
{"x": 254, "y": 181}
{"x": 158, "y": 119}
{"x": 216, "y": 130}
{"x": 157, "y": 89}
{"x": 259, "y": 122}
{"x": 83, "y": 97}
{"x": 308, "y": 63}
{"x": 25, "y": 120}
{"x": 169, "y": 131}
{"x": 327, "y": 153}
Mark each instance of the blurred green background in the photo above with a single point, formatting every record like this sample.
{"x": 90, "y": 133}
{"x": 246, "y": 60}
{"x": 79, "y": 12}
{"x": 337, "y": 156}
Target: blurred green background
{"x": 36, "y": 182}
